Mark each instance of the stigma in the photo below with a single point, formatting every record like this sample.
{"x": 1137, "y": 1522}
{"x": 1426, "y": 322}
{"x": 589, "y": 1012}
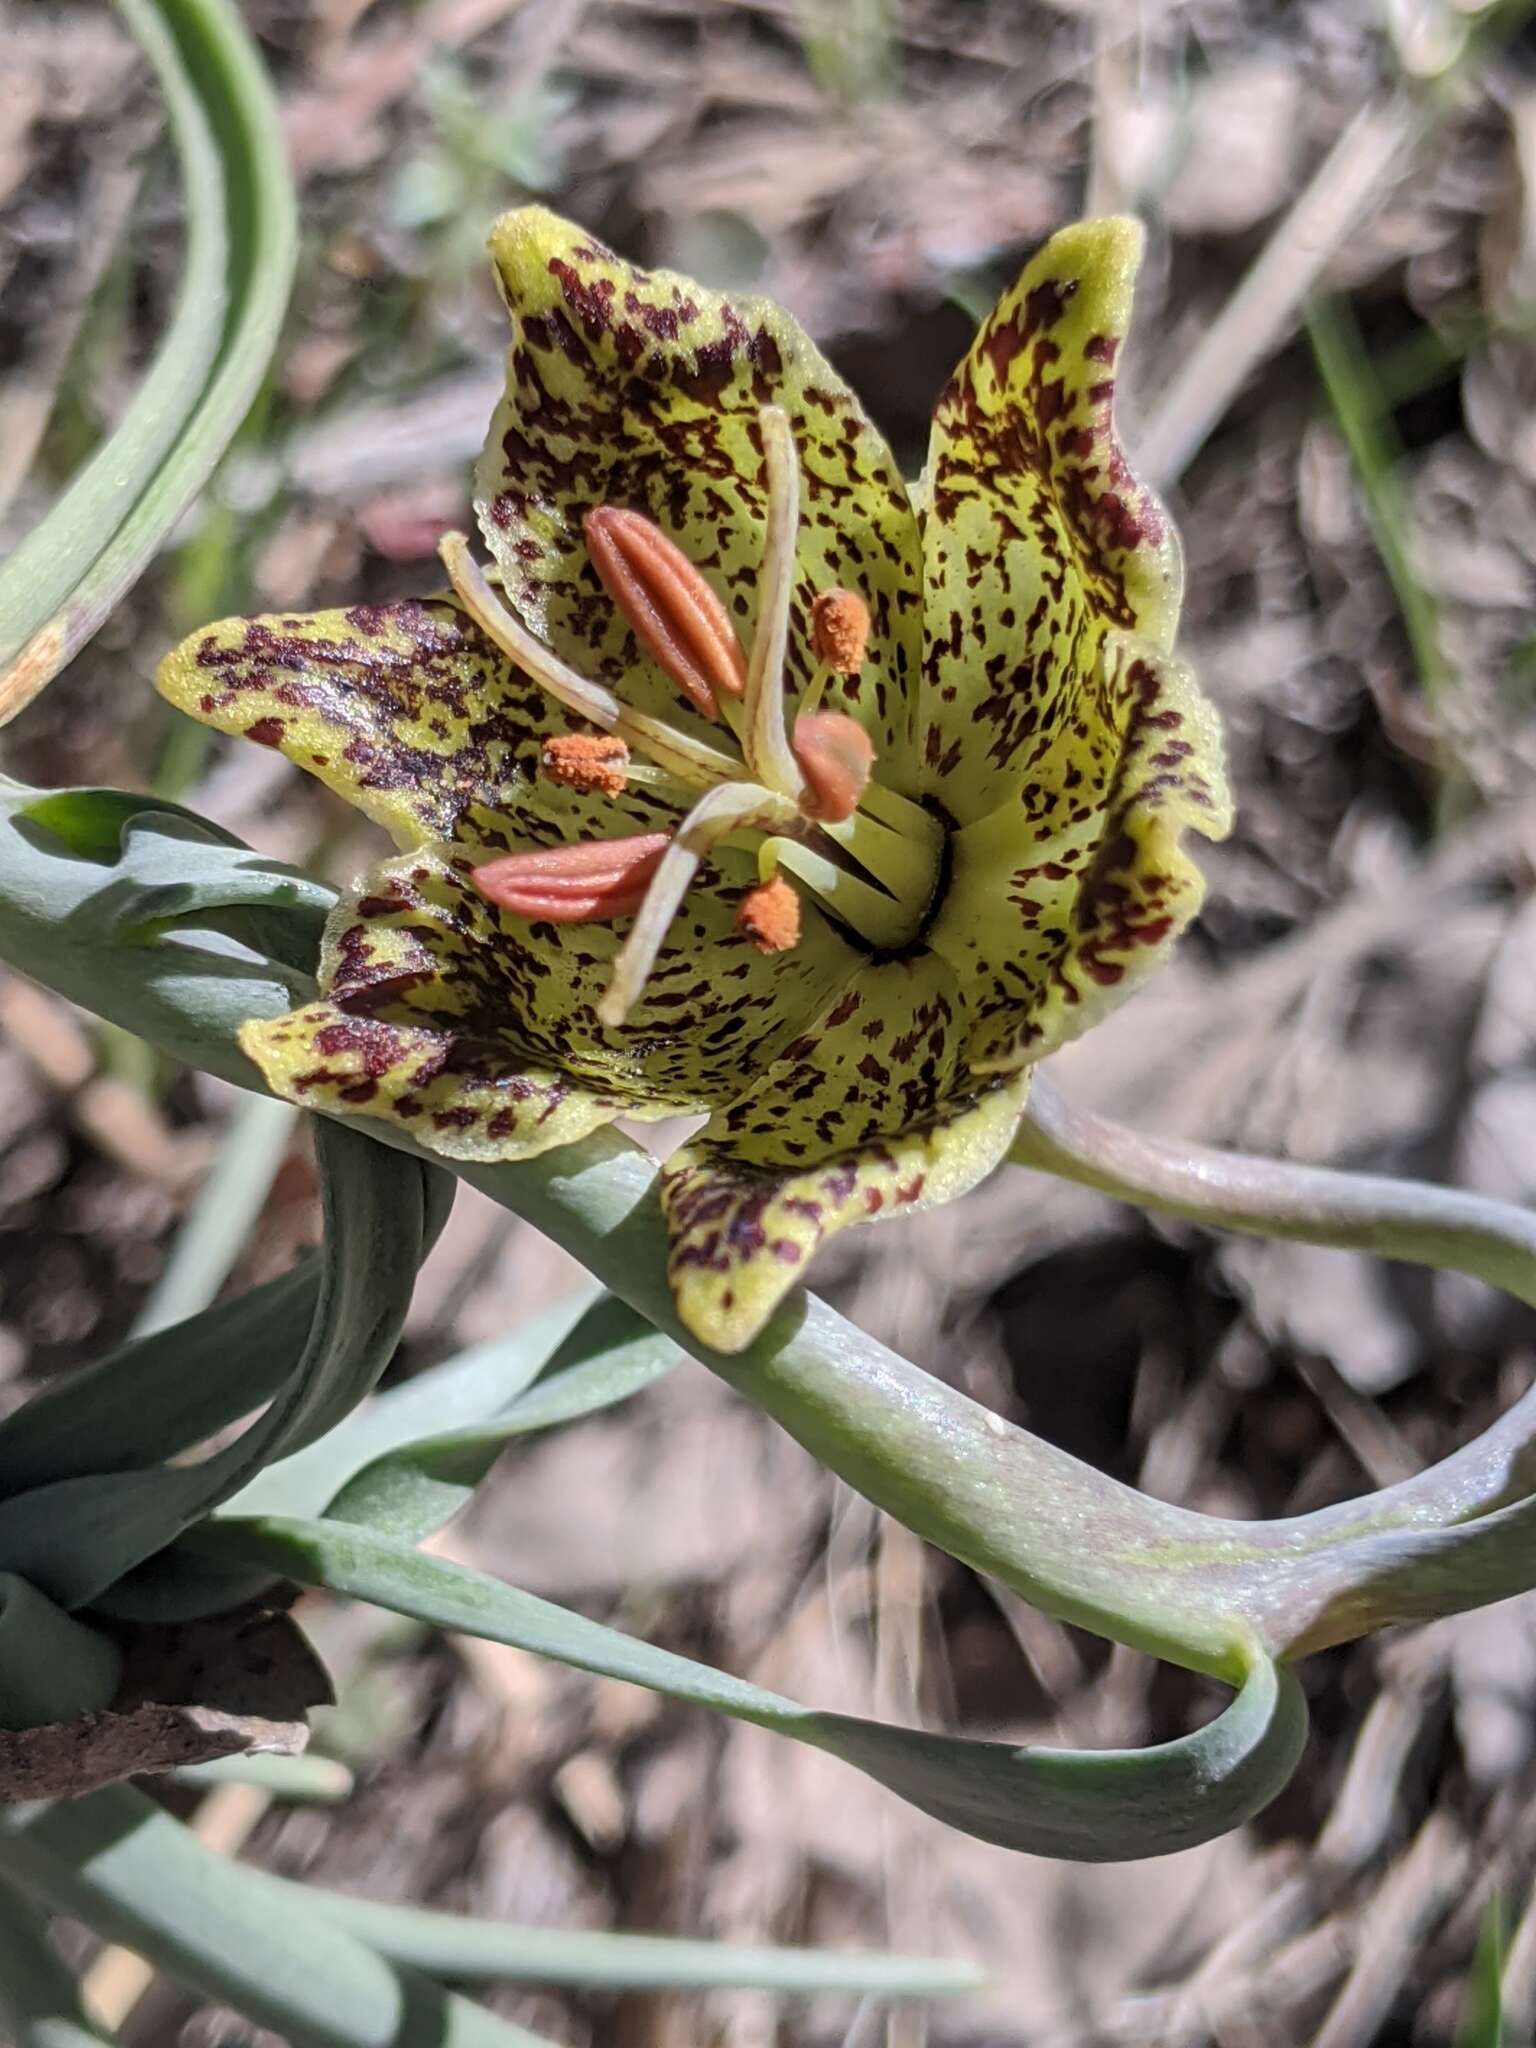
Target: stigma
{"x": 793, "y": 787}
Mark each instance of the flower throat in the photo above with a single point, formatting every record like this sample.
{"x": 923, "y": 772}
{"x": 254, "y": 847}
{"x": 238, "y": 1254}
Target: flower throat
{"x": 806, "y": 795}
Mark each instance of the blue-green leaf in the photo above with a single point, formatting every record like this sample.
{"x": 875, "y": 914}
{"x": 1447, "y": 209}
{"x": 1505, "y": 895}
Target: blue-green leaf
{"x": 74, "y": 1538}
{"x": 159, "y": 1395}
{"x": 413, "y": 1490}
{"x": 1093, "y": 1806}
{"x": 135, "y": 1875}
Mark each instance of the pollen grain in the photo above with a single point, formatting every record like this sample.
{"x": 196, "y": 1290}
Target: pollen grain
{"x": 769, "y": 916}
{"x": 596, "y": 763}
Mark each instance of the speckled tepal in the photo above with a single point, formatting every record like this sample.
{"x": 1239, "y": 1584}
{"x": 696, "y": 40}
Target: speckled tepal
{"x": 947, "y": 717}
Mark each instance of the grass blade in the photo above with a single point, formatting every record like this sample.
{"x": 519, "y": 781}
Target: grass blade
{"x": 1361, "y": 414}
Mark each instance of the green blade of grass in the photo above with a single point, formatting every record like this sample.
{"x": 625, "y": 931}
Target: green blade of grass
{"x": 1361, "y": 414}
{"x": 240, "y": 211}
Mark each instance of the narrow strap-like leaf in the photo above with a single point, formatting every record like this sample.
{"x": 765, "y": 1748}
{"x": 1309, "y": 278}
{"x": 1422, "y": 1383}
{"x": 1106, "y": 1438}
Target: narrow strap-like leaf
{"x": 241, "y": 214}
{"x": 159, "y": 1395}
{"x": 454, "y": 1945}
{"x": 134, "y": 1875}
{"x": 1087, "y": 1805}
{"x": 414, "y": 1489}
{"x": 57, "y": 553}
{"x": 74, "y": 1538}
{"x": 463, "y": 1390}
{"x": 39, "y": 1998}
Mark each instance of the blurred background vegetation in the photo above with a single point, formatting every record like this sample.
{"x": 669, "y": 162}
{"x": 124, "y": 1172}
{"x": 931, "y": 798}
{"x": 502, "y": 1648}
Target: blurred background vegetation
{"x": 1332, "y": 380}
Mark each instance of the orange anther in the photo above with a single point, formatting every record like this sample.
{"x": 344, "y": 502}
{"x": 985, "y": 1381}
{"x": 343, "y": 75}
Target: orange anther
{"x": 770, "y": 916}
{"x": 666, "y": 600}
{"x": 835, "y": 756}
{"x": 840, "y": 629}
{"x": 591, "y": 882}
{"x": 588, "y": 761}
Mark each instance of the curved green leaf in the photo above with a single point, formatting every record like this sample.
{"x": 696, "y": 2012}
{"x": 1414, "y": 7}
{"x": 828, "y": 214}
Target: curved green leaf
{"x": 52, "y": 1667}
{"x": 68, "y": 863}
{"x": 53, "y": 558}
{"x": 241, "y": 209}
{"x": 413, "y": 1490}
{"x": 1088, "y": 1805}
{"x": 74, "y": 1538}
{"x": 136, "y": 1876}
{"x": 161, "y": 1394}
{"x": 452, "y": 1945}
{"x": 465, "y": 1389}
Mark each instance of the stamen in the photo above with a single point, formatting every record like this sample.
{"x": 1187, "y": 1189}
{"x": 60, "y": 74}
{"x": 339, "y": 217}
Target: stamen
{"x": 691, "y": 761}
{"x": 840, "y": 629}
{"x": 593, "y": 881}
{"x": 764, "y": 739}
{"x": 836, "y": 755}
{"x": 595, "y": 763}
{"x": 673, "y": 611}
{"x": 769, "y": 916}
{"x": 736, "y": 806}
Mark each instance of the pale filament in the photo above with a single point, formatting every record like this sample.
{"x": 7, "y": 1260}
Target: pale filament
{"x": 691, "y": 761}
{"x": 764, "y": 737}
{"x": 893, "y": 840}
{"x": 730, "y": 808}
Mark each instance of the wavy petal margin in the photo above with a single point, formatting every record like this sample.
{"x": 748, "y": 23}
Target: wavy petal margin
{"x": 1037, "y": 541}
{"x": 641, "y": 389}
{"x": 867, "y": 1113}
{"x": 407, "y": 712}
{"x": 742, "y": 1236}
{"x": 1047, "y": 935}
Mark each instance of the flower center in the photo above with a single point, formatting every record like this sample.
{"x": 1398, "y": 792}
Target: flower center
{"x": 805, "y": 795}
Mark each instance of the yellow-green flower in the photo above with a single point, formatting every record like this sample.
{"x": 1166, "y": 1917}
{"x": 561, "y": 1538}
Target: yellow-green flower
{"x": 750, "y": 782}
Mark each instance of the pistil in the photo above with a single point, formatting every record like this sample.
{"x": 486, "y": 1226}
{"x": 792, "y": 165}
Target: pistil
{"x": 794, "y": 789}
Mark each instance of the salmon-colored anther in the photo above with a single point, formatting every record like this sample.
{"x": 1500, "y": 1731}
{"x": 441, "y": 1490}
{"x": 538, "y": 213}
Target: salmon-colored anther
{"x": 840, "y": 629}
{"x": 770, "y": 916}
{"x": 588, "y": 883}
{"x": 835, "y": 755}
{"x": 593, "y": 762}
{"x": 667, "y": 602}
